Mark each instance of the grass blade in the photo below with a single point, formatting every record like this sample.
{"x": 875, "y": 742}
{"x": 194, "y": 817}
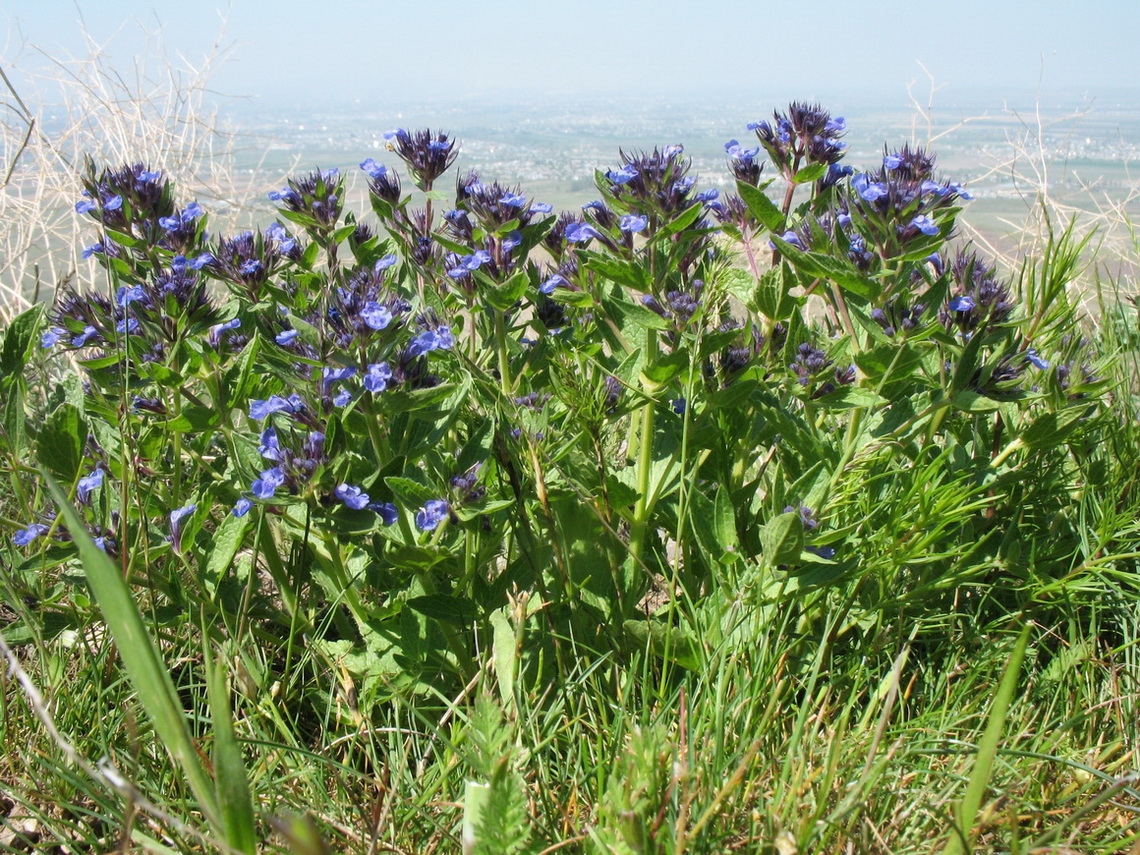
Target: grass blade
{"x": 140, "y": 657}
{"x": 967, "y": 812}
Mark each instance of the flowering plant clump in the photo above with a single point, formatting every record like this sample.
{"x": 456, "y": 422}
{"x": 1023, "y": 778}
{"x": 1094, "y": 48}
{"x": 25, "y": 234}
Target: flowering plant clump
{"x": 384, "y": 432}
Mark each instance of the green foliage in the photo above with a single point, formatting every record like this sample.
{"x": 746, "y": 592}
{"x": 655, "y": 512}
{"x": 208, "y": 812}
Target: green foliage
{"x": 720, "y": 510}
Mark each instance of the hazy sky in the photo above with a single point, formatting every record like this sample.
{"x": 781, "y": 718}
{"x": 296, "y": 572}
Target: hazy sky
{"x": 346, "y": 49}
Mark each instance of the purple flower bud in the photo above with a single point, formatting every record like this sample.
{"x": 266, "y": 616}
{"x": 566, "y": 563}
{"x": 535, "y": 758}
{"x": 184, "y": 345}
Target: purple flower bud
{"x": 176, "y": 517}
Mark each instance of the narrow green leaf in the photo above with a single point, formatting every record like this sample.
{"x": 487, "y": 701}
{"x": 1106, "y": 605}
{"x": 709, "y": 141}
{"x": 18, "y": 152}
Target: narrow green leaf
{"x": 140, "y": 657}
{"x": 234, "y": 797}
{"x": 967, "y": 814}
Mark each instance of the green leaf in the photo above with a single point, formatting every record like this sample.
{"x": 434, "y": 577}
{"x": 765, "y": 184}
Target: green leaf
{"x": 782, "y": 539}
{"x": 810, "y": 173}
{"x": 849, "y": 397}
{"x": 232, "y": 785}
{"x": 411, "y": 494}
{"x": 195, "y": 419}
{"x": 141, "y": 659}
{"x": 444, "y": 608}
{"x": 18, "y": 342}
{"x": 61, "y": 440}
{"x": 760, "y": 206}
{"x": 224, "y": 546}
{"x": 505, "y": 655}
{"x": 966, "y": 816}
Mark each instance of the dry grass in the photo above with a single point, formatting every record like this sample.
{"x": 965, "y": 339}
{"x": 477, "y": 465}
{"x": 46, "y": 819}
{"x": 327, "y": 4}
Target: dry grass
{"x": 53, "y": 112}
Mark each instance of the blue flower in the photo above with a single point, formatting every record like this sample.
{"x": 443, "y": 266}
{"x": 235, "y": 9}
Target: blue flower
{"x": 962, "y": 304}
{"x": 286, "y": 338}
{"x": 125, "y": 296}
{"x": 259, "y": 410}
{"x": 554, "y": 281}
{"x": 925, "y": 225}
{"x": 385, "y": 262}
{"x": 270, "y": 446}
{"x": 377, "y": 377}
{"x": 86, "y": 484}
{"x": 679, "y": 406}
{"x": 541, "y": 208}
{"x": 202, "y": 260}
{"x": 706, "y": 196}
{"x": 215, "y": 335}
{"x": 335, "y": 375}
{"x": 374, "y": 169}
{"x": 242, "y": 507}
{"x": 892, "y": 162}
{"x": 342, "y": 398}
{"x": 511, "y": 240}
{"x": 624, "y": 175}
{"x": 1037, "y": 360}
{"x": 869, "y": 191}
{"x": 386, "y": 510}
{"x": 515, "y": 200}
{"x": 27, "y": 535}
{"x": 127, "y": 326}
{"x": 790, "y": 237}
{"x": 83, "y": 206}
{"x": 579, "y": 232}
{"x": 81, "y": 339}
{"x": 113, "y": 204}
{"x": 352, "y": 497}
{"x": 432, "y": 514}
{"x": 94, "y": 249}
{"x": 176, "y": 517}
{"x": 52, "y": 336}
{"x": 633, "y": 223}
{"x": 265, "y": 486}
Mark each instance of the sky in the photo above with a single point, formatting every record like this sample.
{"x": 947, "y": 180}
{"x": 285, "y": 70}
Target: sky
{"x": 349, "y": 50}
